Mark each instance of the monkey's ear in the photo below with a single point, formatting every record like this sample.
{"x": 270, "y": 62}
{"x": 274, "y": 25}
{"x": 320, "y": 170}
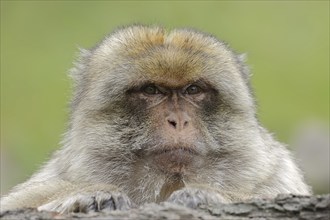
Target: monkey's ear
{"x": 78, "y": 72}
{"x": 244, "y": 69}
{"x": 242, "y": 57}
{"x": 79, "y": 75}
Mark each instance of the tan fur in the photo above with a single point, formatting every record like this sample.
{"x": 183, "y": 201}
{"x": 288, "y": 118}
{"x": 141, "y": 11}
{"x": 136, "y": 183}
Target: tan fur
{"x": 105, "y": 150}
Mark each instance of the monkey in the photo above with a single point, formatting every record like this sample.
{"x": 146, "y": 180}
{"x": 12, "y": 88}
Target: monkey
{"x": 160, "y": 115}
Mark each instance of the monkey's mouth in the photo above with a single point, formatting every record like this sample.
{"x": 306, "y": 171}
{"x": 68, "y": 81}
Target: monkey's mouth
{"x": 178, "y": 150}
{"x": 174, "y": 160}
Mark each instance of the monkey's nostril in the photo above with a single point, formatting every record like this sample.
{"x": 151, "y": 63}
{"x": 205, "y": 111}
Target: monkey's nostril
{"x": 173, "y": 123}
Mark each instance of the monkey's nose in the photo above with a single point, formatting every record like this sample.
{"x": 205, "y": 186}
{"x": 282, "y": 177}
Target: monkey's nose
{"x": 172, "y": 122}
{"x": 178, "y": 121}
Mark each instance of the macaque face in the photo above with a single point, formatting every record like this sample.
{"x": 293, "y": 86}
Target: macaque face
{"x": 168, "y": 99}
{"x": 174, "y": 115}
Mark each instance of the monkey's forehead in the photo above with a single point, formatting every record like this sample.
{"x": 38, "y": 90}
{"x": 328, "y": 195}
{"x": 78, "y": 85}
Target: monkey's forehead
{"x": 138, "y": 38}
{"x": 179, "y": 56}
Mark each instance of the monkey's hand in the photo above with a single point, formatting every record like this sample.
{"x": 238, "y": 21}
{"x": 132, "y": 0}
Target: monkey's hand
{"x": 88, "y": 200}
{"x": 193, "y": 197}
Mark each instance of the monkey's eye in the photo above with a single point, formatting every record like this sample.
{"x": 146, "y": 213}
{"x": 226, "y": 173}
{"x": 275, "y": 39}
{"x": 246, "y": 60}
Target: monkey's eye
{"x": 193, "y": 90}
{"x": 150, "y": 90}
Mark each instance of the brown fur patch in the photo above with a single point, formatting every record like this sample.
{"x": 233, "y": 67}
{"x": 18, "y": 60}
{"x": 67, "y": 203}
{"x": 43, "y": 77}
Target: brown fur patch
{"x": 174, "y": 59}
{"x": 168, "y": 188}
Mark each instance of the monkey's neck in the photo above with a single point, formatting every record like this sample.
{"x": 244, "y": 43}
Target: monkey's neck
{"x": 171, "y": 184}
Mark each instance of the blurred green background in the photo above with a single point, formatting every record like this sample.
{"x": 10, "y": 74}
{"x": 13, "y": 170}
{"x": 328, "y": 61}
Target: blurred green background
{"x": 287, "y": 43}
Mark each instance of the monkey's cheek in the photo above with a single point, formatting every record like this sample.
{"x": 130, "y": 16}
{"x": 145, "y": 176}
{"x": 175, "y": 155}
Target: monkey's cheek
{"x": 93, "y": 202}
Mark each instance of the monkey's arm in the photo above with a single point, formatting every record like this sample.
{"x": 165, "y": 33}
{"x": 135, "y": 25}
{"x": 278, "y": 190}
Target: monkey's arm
{"x": 63, "y": 196}
{"x": 34, "y": 193}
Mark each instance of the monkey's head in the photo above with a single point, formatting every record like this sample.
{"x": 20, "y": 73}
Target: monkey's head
{"x": 171, "y": 103}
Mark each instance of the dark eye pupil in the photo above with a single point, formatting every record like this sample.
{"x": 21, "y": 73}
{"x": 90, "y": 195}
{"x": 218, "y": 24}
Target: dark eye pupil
{"x": 193, "y": 90}
{"x": 150, "y": 90}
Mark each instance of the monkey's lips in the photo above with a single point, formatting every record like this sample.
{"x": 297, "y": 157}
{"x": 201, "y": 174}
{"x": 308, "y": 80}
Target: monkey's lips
{"x": 174, "y": 160}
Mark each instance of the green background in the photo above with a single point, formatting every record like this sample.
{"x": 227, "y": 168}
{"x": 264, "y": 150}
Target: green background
{"x": 287, "y": 43}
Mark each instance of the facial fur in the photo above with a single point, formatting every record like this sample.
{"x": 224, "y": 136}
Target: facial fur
{"x": 154, "y": 112}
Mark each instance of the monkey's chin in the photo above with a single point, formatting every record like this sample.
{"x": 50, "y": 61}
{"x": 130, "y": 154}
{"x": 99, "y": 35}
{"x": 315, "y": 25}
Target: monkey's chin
{"x": 174, "y": 160}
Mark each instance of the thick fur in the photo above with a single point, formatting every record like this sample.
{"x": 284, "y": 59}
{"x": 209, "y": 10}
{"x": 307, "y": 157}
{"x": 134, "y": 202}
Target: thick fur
{"x": 242, "y": 160}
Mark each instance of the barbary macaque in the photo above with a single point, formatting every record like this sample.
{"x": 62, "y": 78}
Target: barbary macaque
{"x": 159, "y": 116}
